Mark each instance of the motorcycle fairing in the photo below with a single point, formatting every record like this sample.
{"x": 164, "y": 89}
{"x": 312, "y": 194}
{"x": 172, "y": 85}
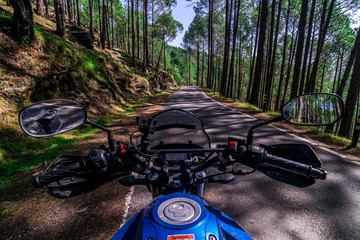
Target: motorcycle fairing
{"x": 146, "y": 224}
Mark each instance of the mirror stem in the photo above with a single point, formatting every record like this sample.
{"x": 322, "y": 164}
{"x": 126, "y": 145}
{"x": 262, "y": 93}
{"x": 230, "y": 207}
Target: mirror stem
{"x": 250, "y": 136}
{"x": 111, "y": 139}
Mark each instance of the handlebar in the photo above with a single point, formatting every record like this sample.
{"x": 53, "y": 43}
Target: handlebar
{"x": 254, "y": 156}
{"x": 292, "y": 166}
{"x": 42, "y": 180}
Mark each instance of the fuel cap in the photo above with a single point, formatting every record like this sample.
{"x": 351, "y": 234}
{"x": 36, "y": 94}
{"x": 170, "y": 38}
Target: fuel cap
{"x": 179, "y": 211}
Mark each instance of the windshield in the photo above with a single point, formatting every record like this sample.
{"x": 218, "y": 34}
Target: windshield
{"x": 178, "y": 127}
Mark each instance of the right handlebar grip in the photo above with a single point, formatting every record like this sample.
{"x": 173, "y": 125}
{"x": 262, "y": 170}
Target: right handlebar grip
{"x": 292, "y": 166}
{"x": 42, "y": 180}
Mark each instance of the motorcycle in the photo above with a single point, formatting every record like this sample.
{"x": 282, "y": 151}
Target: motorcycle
{"x": 171, "y": 155}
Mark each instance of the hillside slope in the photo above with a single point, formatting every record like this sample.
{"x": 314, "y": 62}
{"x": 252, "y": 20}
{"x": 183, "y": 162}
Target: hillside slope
{"x": 104, "y": 82}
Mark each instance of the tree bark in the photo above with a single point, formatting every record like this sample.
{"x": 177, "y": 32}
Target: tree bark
{"x": 40, "y": 7}
{"x": 236, "y": 23}
{"x": 311, "y": 86}
{"x": 299, "y": 49}
{"x": 352, "y": 97}
{"x": 133, "y": 32}
{"x": 210, "y": 46}
{"x": 60, "y": 18}
{"x": 70, "y": 11}
{"x": 107, "y": 22}
{"x": 224, "y": 75}
{"x": 112, "y": 23}
{"x": 349, "y": 64}
{"x": 307, "y": 46}
{"x": 197, "y": 64}
{"x": 145, "y": 35}
{"x": 22, "y": 23}
{"x": 78, "y": 13}
{"x": 91, "y": 27}
{"x": 291, "y": 59}
{"x": 267, "y": 76}
{"x": 152, "y": 32}
{"x": 253, "y": 57}
{"x": 278, "y": 96}
{"x": 128, "y": 36}
{"x": 254, "y": 99}
{"x": 137, "y": 29}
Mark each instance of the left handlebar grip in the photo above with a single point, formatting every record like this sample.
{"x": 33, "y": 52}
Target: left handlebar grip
{"x": 42, "y": 180}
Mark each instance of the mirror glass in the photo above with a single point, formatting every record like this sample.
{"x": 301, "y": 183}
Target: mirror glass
{"x": 314, "y": 109}
{"x": 51, "y": 117}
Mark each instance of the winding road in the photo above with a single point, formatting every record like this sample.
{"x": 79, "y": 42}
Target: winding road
{"x": 263, "y": 207}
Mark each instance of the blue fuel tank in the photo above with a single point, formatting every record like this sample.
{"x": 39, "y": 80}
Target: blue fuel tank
{"x": 180, "y": 216}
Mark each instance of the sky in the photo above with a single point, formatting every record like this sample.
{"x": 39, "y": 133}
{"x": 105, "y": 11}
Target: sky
{"x": 183, "y": 13}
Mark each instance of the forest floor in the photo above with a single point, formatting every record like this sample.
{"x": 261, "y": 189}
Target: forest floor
{"x": 329, "y": 141}
{"x": 33, "y": 214}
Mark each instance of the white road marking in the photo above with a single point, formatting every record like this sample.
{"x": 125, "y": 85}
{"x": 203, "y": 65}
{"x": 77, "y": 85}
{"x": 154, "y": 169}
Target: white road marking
{"x": 282, "y": 130}
{"x": 127, "y": 205}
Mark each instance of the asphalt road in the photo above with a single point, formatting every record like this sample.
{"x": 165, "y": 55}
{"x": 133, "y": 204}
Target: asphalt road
{"x": 263, "y": 207}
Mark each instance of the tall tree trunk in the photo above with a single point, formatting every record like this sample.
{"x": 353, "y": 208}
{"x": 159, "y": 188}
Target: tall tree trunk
{"x": 164, "y": 54}
{"x": 307, "y": 46}
{"x": 78, "y": 13}
{"x": 60, "y": 18}
{"x": 145, "y": 35}
{"x": 103, "y": 30}
{"x": 70, "y": 12}
{"x": 299, "y": 49}
{"x": 251, "y": 79}
{"x": 224, "y": 76}
{"x": 349, "y": 64}
{"x": 340, "y": 69}
{"x": 128, "y": 36}
{"x": 22, "y": 21}
{"x": 291, "y": 60}
{"x": 202, "y": 64}
{"x": 152, "y": 32}
{"x": 137, "y": 29}
{"x": 133, "y": 32}
{"x": 112, "y": 23}
{"x": 336, "y": 72}
{"x": 278, "y": 96}
{"x": 107, "y": 22}
{"x": 267, "y": 76}
{"x": 40, "y": 7}
{"x": 236, "y": 23}
{"x": 210, "y": 46}
{"x": 311, "y": 86}
{"x": 272, "y": 63}
{"x": 91, "y": 30}
{"x": 254, "y": 99}
{"x": 99, "y": 7}
{"x": 46, "y": 7}
{"x": 158, "y": 62}
{"x": 352, "y": 97}
{"x": 310, "y": 58}
{"x": 197, "y": 64}
{"x": 189, "y": 68}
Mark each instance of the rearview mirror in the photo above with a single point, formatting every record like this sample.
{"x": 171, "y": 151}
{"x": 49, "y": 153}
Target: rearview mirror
{"x": 314, "y": 109}
{"x": 51, "y": 117}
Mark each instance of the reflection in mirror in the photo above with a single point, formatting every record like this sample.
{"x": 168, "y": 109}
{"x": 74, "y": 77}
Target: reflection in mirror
{"x": 314, "y": 109}
{"x": 51, "y": 117}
